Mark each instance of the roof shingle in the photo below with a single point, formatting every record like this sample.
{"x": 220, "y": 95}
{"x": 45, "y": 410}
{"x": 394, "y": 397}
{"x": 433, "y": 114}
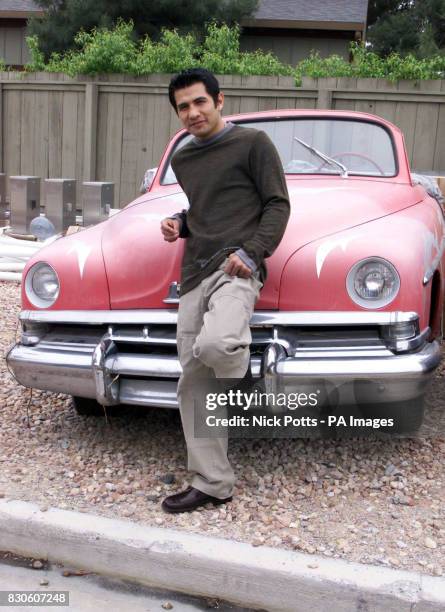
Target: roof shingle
{"x": 19, "y": 6}
{"x": 346, "y": 11}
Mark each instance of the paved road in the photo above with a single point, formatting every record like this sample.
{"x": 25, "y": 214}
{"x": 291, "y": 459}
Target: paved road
{"x": 93, "y": 593}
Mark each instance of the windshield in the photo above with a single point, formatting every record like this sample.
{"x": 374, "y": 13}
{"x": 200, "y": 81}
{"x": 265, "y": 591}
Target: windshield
{"x": 364, "y": 148}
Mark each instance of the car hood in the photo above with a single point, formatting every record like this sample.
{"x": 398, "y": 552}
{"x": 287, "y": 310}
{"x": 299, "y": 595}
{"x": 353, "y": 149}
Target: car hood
{"x": 141, "y": 266}
{"x": 78, "y": 262}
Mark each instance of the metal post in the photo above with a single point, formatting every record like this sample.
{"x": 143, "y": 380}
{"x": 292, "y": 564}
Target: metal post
{"x": 60, "y": 202}
{"x": 25, "y": 201}
{"x": 4, "y": 209}
{"x": 98, "y": 198}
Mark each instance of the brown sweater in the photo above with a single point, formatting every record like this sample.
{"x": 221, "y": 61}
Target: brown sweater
{"x": 238, "y": 199}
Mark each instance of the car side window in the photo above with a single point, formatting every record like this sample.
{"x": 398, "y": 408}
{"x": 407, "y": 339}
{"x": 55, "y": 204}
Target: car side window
{"x": 169, "y": 177}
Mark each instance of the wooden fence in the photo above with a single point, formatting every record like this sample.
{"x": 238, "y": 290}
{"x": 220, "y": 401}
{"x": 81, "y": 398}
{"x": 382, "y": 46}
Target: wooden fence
{"x": 114, "y": 127}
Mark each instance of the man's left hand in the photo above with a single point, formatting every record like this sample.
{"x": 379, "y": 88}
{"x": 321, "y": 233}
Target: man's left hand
{"x": 236, "y": 267}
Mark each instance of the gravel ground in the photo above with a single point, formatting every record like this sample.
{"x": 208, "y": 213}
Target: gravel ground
{"x": 371, "y": 501}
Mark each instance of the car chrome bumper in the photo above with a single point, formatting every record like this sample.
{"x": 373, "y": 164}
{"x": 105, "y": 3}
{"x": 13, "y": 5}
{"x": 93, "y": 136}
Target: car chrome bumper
{"x": 112, "y": 377}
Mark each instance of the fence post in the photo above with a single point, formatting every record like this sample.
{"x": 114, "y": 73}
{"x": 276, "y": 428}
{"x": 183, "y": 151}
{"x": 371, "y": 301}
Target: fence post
{"x": 324, "y": 98}
{"x": 90, "y": 139}
{"x": 1, "y": 128}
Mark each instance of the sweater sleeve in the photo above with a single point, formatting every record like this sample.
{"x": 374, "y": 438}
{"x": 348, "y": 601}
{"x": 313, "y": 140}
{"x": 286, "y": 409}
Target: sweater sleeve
{"x": 267, "y": 173}
{"x": 181, "y": 216}
{"x": 183, "y": 227}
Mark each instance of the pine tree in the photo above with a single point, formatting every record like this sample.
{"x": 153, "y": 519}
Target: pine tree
{"x": 411, "y": 26}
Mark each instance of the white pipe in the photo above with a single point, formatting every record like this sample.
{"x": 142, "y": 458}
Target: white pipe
{"x": 32, "y": 246}
{"x": 12, "y": 259}
{"x": 15, "y": 252}
{"x": 12, "y": 266}
{"x": 10, "y": 276}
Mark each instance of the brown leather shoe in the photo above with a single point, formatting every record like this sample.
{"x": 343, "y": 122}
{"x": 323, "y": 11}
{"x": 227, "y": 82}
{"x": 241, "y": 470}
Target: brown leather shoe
{"x": 189, "y": 500}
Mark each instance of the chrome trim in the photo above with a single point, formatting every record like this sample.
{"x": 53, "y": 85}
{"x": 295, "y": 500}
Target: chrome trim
{"x": 341, "y": 353}
{"x": 29, "y": 339}
{"x": 409, "y": 364}
{"x": 164, "y": 337}
{"x": 283, "y": 342}
{"x": 160, "y": 393}
{"x": 410, "y": 344}
{"x": 370, "y": 303}
{"x": 107, "y": 388}
{"x": 434, "y": 264}
{"x": 394, "y": 377}
{"x": 273, "y": 354}
{"x": 173, "y": 294}
{"x": 33, "y": 333}
{"x": 147, "y": 366}
{"x": 292, "y": 339}
{"x": 259, "y": 318}
{"x": 67, "y": 372}
{"x": 32, "y": 296}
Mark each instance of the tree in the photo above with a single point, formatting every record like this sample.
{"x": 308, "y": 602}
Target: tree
{"x": 381, "y": 8}
{"x": 64, "y": 18}
{"x": 407, "y": 26}
{"x": 431, "y": 15}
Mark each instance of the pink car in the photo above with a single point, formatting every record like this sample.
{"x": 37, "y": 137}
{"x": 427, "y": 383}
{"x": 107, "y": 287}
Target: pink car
{"x": 352, "y": 303}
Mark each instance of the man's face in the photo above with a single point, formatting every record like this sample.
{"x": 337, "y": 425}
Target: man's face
{"x": 197, "y": 111}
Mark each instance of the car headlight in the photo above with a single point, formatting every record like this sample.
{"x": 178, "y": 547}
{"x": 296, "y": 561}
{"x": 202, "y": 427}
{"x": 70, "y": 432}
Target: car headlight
{"x": 42, "y": 285}
{"x": 373, "y": 282}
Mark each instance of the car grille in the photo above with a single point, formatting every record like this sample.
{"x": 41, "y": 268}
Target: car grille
{"x": 161, "y": 339}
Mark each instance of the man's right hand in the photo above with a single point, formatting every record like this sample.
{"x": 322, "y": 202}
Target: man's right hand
{"x": 170, "y": 229}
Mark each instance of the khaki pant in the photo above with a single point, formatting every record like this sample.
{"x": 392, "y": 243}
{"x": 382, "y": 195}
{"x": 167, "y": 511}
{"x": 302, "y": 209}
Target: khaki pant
{"x": 213, "y": 342}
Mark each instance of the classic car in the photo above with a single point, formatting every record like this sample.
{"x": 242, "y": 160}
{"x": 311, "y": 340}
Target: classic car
{"x": 353, "y": 300}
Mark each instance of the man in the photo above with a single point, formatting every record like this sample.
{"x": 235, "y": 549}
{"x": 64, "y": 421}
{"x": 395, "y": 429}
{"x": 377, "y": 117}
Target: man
{"x": 239, "y": 208}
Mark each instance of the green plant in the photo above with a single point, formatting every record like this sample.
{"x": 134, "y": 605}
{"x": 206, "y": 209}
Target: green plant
{"x": 101, "y": 50}
{"x": 221, "y": 54}
{"x": 365, "y": 63}
{"x": 259, "y": 62}
{"x": 172, "y": 54}
{"x": 115, "y": 50}
{"x": 37, "y": 58}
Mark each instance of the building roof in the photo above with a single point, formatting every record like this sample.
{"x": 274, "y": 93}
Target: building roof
{"x": 339, "y": 11}
{"x": 335, "y": 15}
{"x": 19, "y": 8}
{"x": 308, "y": 10}
{"x": 19, "y": 5}
{"x": 290, "y": 10}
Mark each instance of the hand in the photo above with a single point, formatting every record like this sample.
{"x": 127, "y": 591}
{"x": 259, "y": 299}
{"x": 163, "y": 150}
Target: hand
{"x": 170, "y": 229}
{"x": 236, "y": 267}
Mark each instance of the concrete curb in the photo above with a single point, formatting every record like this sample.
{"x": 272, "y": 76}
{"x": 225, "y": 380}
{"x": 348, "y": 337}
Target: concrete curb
{"x": 262, "y": 577}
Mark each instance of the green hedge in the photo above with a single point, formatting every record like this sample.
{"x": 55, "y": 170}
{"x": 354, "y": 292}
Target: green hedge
{"x": 116, "y": 51}
{"x": 366, "y": 64}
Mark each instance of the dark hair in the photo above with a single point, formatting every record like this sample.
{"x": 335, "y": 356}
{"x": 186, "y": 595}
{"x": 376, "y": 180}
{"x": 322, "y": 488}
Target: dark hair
{"x": 191, "y": 76}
